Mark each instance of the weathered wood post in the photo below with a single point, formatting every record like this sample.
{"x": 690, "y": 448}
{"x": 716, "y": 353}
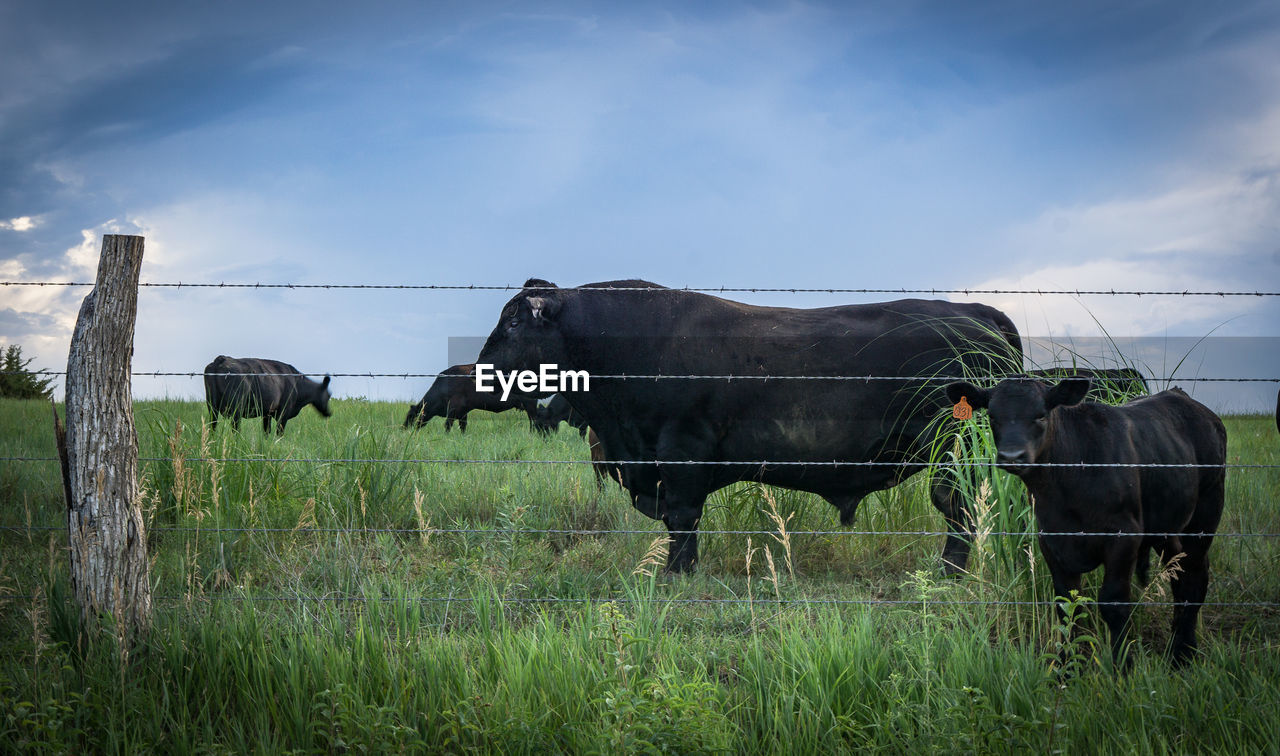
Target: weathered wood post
{"x": 109, "y": 570}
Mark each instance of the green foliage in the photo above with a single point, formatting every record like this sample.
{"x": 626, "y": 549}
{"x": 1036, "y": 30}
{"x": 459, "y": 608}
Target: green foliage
{"x": 18, "y": 381}
{"x": 453, "y": 646}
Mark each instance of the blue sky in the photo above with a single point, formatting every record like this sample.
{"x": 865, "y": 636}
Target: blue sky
{"x": 1063, "y": 145}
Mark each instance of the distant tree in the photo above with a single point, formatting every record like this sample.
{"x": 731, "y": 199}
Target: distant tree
{"x": 19, "y": 382}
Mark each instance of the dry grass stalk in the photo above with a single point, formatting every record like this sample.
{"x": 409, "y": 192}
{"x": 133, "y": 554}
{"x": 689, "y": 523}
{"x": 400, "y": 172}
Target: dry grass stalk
{"x": 783, "y": 536}
{"x": 179, "y": 467}
{"x": 750, "y": 600}
{"x": 424, "y": 522}
{"x": 307, "y": 519}
{"x": 773, "y": 574}
{"x": 253, "y": 506}
{"x": 1164, "y": 576}
{"x": 39, "y": 636}
{"x": 983, "y": 525}
{"x": 654, "y": 557}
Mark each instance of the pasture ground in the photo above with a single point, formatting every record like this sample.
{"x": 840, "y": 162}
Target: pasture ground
{"x": 382, "y": 605}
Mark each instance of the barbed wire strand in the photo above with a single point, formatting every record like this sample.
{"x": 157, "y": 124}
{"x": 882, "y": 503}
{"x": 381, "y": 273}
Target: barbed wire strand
{"x": 763, "y": 600}
{"x": 1066, "y": 372}
{"x": 701, "y": 289}
{"x": 631, "y": 531}
{"x": 650, "y": 462}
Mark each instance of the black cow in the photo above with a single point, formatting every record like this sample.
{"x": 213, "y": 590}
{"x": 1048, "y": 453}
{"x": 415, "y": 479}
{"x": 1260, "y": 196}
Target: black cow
{"x": 252, "y": 387}
{"x": 1278, "y": 410}
{"x": 1110, "y": 385}
{"x": 453, "y": 394}
{"x": 1035, "y": 423}
{"x": 728, "y": 427}
{"x": 551, "y": 412}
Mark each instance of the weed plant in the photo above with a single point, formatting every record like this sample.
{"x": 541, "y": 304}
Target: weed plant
{"x": 350, "y": 586}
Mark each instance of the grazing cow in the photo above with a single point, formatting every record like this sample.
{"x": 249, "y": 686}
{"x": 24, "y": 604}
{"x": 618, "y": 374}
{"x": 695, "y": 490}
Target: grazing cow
{"x": 453, "y": 394}
{"x": 1110, "y": 385}
{"x": 252, "y": 387}
{"x": 552, "y": 411}
{"x": 727, "y": 428}
{"x": 600, "y": 464}
{"x": 1035, "y": 423}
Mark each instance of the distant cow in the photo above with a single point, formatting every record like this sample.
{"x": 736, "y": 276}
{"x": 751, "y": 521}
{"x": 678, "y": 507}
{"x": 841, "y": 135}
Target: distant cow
{"x": 453, "y": 395}
{"x": 1110, "y": 385}
{"x": 679, "y": 440}
{"x": 252, "y": 387}
{"x": 551, "y": 412}
{"x": 1034, "y": 423}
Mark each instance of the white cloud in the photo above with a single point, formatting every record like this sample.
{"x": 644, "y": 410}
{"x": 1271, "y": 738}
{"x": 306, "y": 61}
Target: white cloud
{"x": 22, "y": 223}
{"x": 1206, "y": 230}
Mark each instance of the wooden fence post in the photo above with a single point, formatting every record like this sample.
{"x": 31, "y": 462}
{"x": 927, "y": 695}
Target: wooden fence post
{"x": 108, "y": 545}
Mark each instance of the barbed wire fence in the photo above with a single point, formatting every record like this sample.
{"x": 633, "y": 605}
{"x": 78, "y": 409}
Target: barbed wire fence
{"x": 500, "y": 531}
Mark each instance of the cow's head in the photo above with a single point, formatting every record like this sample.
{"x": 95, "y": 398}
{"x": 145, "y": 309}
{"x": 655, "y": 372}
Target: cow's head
{"x": 527, "y": 333}
{"x": 1020, "y": 411}
{"x": 321, "y": 402}
{"x": 415, "y": 413}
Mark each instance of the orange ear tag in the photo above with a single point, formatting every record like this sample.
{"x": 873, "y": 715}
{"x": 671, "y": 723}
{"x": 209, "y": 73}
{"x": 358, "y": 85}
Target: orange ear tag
{"x": 962, "y": 410}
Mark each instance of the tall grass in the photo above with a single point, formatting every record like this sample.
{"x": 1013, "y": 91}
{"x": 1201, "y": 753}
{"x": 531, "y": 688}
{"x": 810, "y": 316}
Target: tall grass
{"x": 277, "y": 633}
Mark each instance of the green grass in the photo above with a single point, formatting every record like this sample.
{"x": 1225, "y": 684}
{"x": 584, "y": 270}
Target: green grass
{"x": 236, "y": 662}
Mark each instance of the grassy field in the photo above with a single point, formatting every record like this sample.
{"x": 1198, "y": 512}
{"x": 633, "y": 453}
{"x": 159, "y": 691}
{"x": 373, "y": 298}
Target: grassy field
{"x": 394, "y": 600}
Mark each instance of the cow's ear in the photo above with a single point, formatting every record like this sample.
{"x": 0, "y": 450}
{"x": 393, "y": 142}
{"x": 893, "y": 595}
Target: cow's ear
{"x": 976, "y": 397}
{"x": 1069, "y": 391}
{"x": 538, "y": 283}
{"x": 325, "y": 383}
{"x": 544, "y": 308}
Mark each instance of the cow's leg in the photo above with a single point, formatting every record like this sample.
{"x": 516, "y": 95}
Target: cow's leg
{"x": 1113, "y": 596}
{"x": 213, "y": 420}
{"x": 682, "y": 515}
{"x": 959, "y": 516}
{"x": 280, "y": 425}
{"x": 462, "y": 424}
{"x": 1190, "y": 585}
{"x": 266, "y": 422}
{"x": 1064, "y": 583}
{"x": 448, "y": 424}
{"x": 684, "y": 488}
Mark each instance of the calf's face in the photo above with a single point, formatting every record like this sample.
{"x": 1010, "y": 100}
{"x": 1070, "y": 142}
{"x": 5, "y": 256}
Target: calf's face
{"x": 1019, "y": 412}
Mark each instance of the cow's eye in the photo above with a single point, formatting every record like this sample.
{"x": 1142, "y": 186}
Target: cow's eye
{"x": 513, "y": 324}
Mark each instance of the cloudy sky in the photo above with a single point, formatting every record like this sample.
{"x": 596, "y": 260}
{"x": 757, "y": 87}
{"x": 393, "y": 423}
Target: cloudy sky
{"x": 917, "y": 145}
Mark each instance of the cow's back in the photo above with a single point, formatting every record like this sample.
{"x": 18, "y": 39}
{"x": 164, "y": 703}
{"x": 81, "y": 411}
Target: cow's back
{"x": 250, "y": 386}
{"x": 681, "y": 333}
{"x": 277, "y": 387}
{"x": 1171, "y": 428}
